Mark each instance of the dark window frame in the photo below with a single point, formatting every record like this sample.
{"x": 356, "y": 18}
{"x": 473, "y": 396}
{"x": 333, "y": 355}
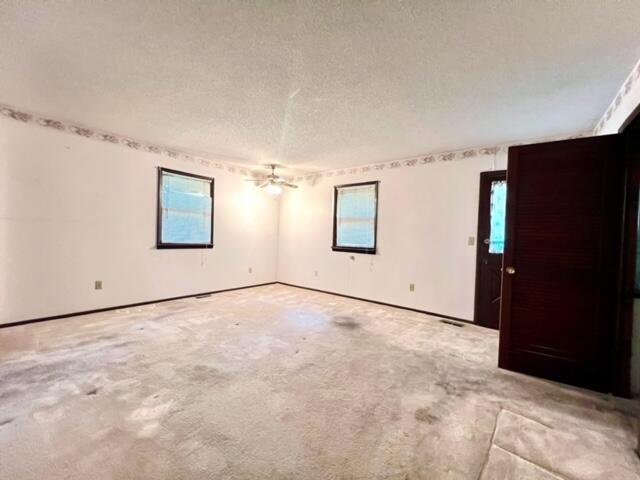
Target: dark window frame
{"x": 164, "y": 245}
{"x": 338, "y": 248}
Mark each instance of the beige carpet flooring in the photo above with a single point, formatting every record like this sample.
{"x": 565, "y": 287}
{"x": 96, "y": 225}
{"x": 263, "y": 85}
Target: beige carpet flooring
{"x": 277, "y": 382}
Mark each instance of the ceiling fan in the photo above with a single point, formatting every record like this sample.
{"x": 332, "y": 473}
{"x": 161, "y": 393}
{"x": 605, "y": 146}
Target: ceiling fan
{"x": 272, "y": 182}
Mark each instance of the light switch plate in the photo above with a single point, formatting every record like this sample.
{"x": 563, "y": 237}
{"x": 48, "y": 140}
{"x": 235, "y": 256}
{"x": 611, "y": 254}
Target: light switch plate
{"x": 98, "y": 285}
{"x": 471, "y": 241}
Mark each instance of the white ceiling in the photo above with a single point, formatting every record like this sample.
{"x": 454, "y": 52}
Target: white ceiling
{"x": 319, "y": 84}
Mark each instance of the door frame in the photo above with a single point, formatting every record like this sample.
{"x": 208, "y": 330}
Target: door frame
{"x": 484, "y": 205}
{"x": 628, "y": 293}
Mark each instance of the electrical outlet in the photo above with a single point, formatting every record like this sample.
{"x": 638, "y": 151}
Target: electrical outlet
{"x": 98, "y": 285}
{"x": 412, "y": 287}
{"x": 471, "y": 241}
{"x": 250, "y": 269}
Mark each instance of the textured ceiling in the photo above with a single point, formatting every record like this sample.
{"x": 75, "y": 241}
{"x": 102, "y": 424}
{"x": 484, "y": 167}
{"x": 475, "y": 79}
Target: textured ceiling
{"x": 319, "y": 84}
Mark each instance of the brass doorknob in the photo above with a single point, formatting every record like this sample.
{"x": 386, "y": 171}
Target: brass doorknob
{"x": 510, "y": 270}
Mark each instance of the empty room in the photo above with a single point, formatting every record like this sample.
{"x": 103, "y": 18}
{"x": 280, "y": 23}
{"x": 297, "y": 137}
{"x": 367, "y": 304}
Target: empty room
{"x": 297, "y": 239}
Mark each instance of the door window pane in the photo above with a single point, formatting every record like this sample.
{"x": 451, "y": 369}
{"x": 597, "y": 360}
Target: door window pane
{"x": 498, "y": 216}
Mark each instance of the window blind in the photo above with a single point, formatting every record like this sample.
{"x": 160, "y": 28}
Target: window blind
{"x": 356, "y": 216}
{"x": 186, "y": 206}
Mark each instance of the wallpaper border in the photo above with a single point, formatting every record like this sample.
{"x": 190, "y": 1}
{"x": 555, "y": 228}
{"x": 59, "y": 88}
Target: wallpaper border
{"x": 418, "y": 160}
{"x": 409, "y": 162}
{"x": 624, "y": 90}
{"x": 125, "y": 141}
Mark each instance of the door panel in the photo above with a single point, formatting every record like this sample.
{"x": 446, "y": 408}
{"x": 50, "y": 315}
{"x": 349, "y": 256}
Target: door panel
{"x": 559, "y": 307}
{"x": 488, "y": 260}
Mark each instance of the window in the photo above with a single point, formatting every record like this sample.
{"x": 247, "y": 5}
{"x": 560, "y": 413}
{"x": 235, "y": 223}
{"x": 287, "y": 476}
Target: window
{"x": 498, "y": 212}
{"x": 355, "y": 216}
{"x": 185, "y": 210}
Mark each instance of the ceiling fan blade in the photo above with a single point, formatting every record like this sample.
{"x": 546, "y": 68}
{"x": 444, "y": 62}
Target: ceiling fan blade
{"x": 263, "y": 184}
{"x": 256, "y": 180}
{"x": 290, "y": 185}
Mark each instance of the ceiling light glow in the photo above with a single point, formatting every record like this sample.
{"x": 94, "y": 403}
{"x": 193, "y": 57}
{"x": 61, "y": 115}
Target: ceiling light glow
{"x": 274, "y": 190}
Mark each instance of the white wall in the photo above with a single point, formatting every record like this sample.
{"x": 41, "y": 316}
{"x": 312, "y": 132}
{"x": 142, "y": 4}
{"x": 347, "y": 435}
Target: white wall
{"x": 75, "y": 210}
{"x": 426, "y": 214}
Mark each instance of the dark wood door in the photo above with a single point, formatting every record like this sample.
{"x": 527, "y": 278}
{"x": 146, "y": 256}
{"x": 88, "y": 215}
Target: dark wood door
{"x": 490, "y": 248}
{"x": 562, "y": 260}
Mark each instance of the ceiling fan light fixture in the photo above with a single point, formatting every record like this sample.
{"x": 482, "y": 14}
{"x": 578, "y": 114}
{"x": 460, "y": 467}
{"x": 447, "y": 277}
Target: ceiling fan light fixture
{"x": 273, "y": 189}
{"x": 272, "y": 183}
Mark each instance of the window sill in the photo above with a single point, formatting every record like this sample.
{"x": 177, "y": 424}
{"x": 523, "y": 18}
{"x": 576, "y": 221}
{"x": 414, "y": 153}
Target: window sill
{"x": 367, "y": 251}
{"x": 166, "y": 246}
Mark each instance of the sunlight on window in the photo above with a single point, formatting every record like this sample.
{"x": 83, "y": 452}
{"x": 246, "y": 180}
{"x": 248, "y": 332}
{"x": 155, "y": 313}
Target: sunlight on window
{"x": 356, "y": 216}
{"x": 498, "y": 216}
{"x": 186, "y": 209}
